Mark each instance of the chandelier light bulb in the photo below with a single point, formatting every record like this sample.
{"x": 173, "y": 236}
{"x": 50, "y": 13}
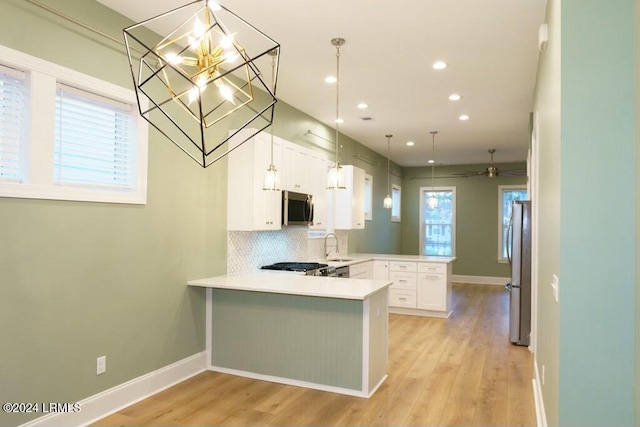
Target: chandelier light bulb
{"x": 432, "y": 201}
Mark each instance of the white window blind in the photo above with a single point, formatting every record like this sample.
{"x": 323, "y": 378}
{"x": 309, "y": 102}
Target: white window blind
{"x": 95, "y": 141}
{"x": 14, "y": 107}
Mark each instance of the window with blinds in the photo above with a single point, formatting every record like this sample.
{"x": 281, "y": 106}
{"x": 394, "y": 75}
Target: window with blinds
{"x": 94, "y": 141}
{"x": 14, "y": 107}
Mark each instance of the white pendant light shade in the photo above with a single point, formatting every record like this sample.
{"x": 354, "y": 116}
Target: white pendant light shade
{"x": 432, "y": 201}
{"x": 335, "y": 175}
{"x": 388, "y": 202}
{"x": 271, "y": 179}
{"x": 335, "y": 178}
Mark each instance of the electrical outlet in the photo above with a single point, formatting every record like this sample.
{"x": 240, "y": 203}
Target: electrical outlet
{"x": 101, "y": 365}
{"x": 542, "y": 374}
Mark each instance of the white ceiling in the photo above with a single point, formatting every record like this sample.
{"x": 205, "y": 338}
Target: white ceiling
{"x": 490, "y": 46}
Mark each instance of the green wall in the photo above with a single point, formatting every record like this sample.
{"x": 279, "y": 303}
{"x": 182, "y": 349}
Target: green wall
{"x": 547, "y": 111}
{"x": 476, "y": 215}
{"x": 83, "y": 280}
{"x": 587, "y": 118}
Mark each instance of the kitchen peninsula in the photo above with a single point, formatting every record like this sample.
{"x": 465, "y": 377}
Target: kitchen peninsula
{"x": 325, "y": 333}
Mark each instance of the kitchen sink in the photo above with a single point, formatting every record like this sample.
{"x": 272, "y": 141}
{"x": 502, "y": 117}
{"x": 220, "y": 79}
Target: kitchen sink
{"x": 339, "y": 260}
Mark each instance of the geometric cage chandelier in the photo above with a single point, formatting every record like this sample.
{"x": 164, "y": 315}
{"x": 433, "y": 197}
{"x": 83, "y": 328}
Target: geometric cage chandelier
{"x": 202, "y": 79}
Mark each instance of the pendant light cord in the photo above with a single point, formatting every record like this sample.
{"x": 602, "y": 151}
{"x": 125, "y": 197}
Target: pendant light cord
{"x": 337, "y": 101}
{"x": 388, "y": 163}
{"x": 433, "y": 154}
{"x": 273, "y": 54}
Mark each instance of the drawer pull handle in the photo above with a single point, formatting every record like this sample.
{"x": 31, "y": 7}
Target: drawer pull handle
{"x": 402, "y": 299}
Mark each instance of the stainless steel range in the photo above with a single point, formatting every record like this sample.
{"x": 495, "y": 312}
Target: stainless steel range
{"x": 308, "y": 268}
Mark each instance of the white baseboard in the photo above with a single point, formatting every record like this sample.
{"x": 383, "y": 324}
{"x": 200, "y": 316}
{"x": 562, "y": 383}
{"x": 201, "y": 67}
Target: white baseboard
{"x": 480, "y": 280}
{"x": 114, "y": 399}
{"x": 541, "y": 416}
{"x": 297, "y": 383}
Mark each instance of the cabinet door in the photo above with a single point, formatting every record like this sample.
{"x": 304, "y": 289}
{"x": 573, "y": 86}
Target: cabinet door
{"x": 318, "y": 189}
{"x": 358, "y": 198}
{"x": 432, "y": 292}
{"x": 349, "y": 203}
{"x": 266, "y": 205}
{"x": 295, "y": 168}
{"x": 381, "y": 270}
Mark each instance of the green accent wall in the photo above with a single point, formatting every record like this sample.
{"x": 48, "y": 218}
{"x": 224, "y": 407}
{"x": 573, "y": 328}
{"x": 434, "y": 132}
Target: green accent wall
{"x": 321, "y": 338}
{"x": 588, "y": 122}
{"x": 476, "y": 244}
{"x": 84, "y": 280}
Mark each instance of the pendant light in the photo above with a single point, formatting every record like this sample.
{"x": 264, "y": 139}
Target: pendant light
{"x": 271, "y": 176}
{"x": 198, "y": 79}
{"x": 388, "y": 201}
{"x": 335, "y": 176}
{"x": 433, "y": 200}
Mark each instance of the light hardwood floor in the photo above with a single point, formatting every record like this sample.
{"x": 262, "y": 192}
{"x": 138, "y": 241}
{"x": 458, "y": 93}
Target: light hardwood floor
{"x": 459, "y": 371}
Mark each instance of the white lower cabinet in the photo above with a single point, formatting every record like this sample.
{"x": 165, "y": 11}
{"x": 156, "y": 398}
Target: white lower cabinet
{"x": 362, "y": 270}
{"x": 419, "y": 288}
{"x": 434, "y": 287}
{"x": 380, "y": 270}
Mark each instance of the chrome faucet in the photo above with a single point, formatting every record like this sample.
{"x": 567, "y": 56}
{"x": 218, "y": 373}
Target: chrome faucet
{"x": 326, "y": 253}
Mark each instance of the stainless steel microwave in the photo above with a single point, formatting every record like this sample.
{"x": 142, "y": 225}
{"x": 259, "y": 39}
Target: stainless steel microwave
{"x": 297, "y": 208}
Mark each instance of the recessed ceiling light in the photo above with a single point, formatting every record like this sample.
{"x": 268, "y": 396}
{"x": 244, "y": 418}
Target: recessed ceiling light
{"x": 330, "y": 79}
{"x": 430, "y": 161}
{"x": 464, "y": 117}
{"x": 454, "y": 97}
{"x": 339, "y": 120}
{"x": 363, "y": 105}
{"x": 439, "y": 65}
{"x": 410, "y": 143}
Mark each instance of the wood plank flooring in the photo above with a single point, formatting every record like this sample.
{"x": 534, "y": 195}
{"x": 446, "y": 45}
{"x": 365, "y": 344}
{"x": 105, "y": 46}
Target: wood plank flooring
{"x": 456, "y": 371}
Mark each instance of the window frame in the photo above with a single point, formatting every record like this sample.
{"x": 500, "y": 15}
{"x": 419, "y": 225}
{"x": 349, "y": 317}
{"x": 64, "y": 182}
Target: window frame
{"x": 422, "y": 218}
{"x": 395, "y": 188}
{"x": 501, "y": 190}
{"x": 43, "y": 77}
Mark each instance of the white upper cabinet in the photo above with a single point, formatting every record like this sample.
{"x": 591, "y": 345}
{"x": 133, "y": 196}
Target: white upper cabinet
{"x": 249, "y": 207}
{"x": 295, "y": 174}
{"x": 318, "y": 189}
{"x": 348, "y": 204}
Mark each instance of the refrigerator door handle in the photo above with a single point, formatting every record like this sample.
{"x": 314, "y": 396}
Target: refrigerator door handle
{"x": 509, "y": 237}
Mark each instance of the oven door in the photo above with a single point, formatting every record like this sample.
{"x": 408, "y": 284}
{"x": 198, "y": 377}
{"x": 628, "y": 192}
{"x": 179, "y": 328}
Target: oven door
{"x": 297, "y": 208}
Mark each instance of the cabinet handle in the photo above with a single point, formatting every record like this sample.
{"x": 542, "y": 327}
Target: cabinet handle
{"x": 402, "y": 299}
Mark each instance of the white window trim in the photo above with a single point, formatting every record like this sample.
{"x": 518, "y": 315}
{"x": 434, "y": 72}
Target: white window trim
{"x": 43, "y": 77}
{"x": 455, "y": 224}
{"x": 502, "y": 188}
{"x": 368, "y": 209}
{"x": 398, "y": 217}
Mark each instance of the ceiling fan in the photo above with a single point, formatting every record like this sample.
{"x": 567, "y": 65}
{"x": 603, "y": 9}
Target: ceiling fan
{"x": 492, "y": 171}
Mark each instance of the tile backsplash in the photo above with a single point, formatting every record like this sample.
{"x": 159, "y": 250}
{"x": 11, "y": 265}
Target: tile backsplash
{"x": 250, "y": 250}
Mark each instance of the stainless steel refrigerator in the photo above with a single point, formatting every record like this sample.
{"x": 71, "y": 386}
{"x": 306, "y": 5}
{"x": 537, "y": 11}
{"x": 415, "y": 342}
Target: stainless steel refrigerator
{"x": 519, "y": 254}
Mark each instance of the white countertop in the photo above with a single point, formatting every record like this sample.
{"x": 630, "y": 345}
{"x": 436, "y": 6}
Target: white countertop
{"x": 348, "y": 259}
{"x": 295, "y": 284}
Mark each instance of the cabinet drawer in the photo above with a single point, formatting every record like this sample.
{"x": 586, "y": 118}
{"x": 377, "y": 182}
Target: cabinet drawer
{"x": 402, "y": 266}
{"x": 402, "y": 298}
{"x": 403, "y": 280}
{"x": 429, "y": 267}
